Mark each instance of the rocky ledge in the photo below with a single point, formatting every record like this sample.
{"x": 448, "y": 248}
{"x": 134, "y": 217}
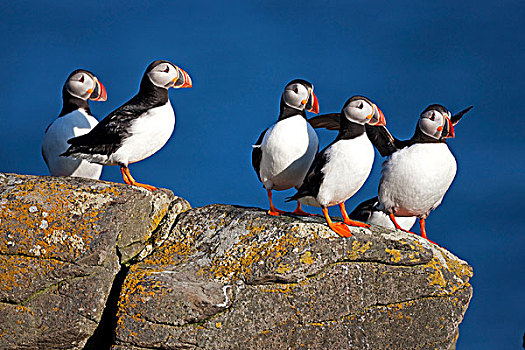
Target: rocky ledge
{"x": 96, "y": 265}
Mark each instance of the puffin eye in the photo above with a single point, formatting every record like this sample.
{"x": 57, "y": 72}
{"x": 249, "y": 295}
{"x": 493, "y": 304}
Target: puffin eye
{"x": 360, "y": 105}
{"x": 167, "y": 69}
{"x": 295, "y": 89}
{"x": 432, "y": 117}
{"x": 81, "y": 79}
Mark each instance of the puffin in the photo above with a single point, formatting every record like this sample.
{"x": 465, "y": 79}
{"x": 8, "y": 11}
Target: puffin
{"x": 284, "y": 152}
{"x": 137, "y": 129}
{"x": 418, "y": 172}
{"x": 340, "y": 169}
{"x": 369, "y": 211}
{"x": 75, "y": 119}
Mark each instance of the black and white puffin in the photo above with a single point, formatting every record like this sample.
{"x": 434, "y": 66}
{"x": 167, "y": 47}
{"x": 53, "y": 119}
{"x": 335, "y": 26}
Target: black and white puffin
{"x": 137, "y": 129}
{"x": 418, "y": 171}
{"x": 340, "y": 170}
{"x": 75, "y": 119}
{"x": 369, "y": 211}
{"x": 284, "y": 152}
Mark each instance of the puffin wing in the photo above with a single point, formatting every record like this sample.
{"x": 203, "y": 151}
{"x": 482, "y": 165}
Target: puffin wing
{"x": 257, "y": 154}
{"x": 106, "y": 137}
{"x": 313, "y": 179}
{"x": 383, "y": 140}
{"x": 330, "y": 121}
{"x": 456, "y": 117}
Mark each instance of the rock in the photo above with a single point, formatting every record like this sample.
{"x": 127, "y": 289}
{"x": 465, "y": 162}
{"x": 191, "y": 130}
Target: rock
{"x": 235, "y": 278}
{"x": 88, "y": 264}
{"x": 62, "y": 242}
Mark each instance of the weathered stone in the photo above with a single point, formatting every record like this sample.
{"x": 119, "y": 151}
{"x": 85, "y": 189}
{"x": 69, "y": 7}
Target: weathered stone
{"x": 217, "y": 277}
{"x": 235, "y": 278}
{"x": 62, "y": 241}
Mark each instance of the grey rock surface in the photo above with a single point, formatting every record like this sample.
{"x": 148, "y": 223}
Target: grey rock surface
{"x": 62, "y": 242}
{"x": 91, "y": 265}
{"x": 234, "y": 278}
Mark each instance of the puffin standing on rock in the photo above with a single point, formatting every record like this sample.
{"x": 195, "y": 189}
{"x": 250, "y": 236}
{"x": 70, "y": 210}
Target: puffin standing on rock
{"x": 75, "y": 119}
{"x": 419, "y": 171}
{"x": 137, "y": 129}
{"x": 340, "y": 170}
{"x": 369, "y": 211}
{"x": 284, "y": 152}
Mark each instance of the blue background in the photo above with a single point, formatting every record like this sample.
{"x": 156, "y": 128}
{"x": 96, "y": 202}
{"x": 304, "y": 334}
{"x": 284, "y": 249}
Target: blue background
{"x": 403, "y": 55}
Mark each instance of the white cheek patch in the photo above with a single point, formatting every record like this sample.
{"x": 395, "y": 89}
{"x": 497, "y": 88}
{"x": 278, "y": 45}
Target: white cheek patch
{"x": 79, "y": 89}
{"x": 292, "y": 99}
{"x": 430, "y": 127}
{"x": 162, "y": 79}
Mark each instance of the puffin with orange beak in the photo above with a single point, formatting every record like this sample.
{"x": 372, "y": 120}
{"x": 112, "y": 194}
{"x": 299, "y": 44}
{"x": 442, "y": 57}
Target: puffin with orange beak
{"x": 342, "y": 168}
{"x": 284, "y": 152}
{"x": 419, "y": 171}
{"x": 137, "y": 129}
{"x": 75, "y": 119}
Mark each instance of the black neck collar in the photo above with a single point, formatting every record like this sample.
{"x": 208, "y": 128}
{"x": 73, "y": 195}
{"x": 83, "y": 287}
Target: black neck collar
{"x": 349, "y": 129}
{"x": 71, "y": 103}
{"x": 150, "y": 95}
{"x": 287, "y": 111}
{"x": 420, "y": 137}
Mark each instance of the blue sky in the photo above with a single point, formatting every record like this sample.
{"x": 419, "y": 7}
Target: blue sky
{"x": 240, "y": 54}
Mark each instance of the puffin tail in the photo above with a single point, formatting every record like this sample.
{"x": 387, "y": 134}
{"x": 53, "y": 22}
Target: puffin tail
{"x": 295, "y": 197}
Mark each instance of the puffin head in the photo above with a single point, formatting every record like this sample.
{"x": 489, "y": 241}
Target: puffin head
{"x": 85, "y": 85}
{"x": 435, "y": 122}
{"x": 165, "y": 74}
{"x": 361, "y": 110}
{"x": 299, "y": 94}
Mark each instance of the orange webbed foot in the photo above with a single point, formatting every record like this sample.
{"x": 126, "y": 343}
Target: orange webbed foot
{"x": 341, "y": 229}
{"x": 275, "y": 212}
{"x": 148, "y": 187}
{"x": 356, "y": 223}
{"x": 299, "y": 211}
{"x": 126, "y": 175}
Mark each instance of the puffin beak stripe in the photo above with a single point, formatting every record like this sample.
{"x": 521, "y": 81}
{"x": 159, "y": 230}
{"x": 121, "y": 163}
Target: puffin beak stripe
{"x": 377, "y": 118}
{"x": 98, "y": 93}
{"x": 312, "y": 105}
{"x": 182, "y": 81}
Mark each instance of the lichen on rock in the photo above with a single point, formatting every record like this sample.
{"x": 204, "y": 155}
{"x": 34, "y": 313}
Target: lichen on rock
{"x": 88, "y": 264}
{"x": 62, "y": 241}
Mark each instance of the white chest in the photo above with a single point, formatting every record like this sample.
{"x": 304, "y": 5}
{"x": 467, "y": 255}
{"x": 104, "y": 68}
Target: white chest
{"x": 348, "y": 166}
{"x": 288, "y": 149}
{"x": 149, "y": 133}
{"x": 416, "y": 178}
{"x": 55, "y": 142}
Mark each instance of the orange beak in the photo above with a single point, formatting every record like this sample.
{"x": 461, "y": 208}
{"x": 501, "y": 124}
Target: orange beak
{"x": 183, "y": 80}
{"x": 378, "y": 118}
{"x": 99, "y": 92}
{"x": 312, "y": 105}
{"x": 448, "y": 129}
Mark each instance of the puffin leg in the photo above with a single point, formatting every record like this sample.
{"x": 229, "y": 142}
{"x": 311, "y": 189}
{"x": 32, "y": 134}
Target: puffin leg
{"x": 424, "y": 231}
{"x": 126, "y": 175}
{"x": 300, "y": 211}
{"x": 340, "y": 228}
{"x": 393, "y": 218}
{"x": 349, "y": 221}
{"x": 273, "y": 210}
{"x": 422, "y": 228}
